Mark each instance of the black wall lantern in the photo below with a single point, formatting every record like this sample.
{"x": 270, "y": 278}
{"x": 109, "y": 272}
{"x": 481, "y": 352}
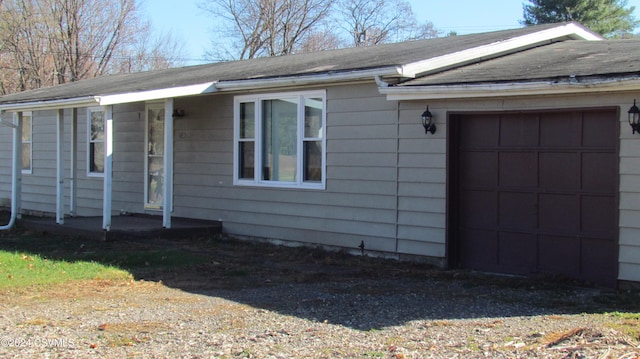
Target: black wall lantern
{"x": 634, "y": 117}
{"x": 427, "y": 122}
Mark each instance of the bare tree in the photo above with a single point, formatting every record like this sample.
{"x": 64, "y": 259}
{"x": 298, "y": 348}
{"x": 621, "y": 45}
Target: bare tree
{"x": 148, "y": 53}
{"x": 266, "y": 27}
{"x": 49, "y": 42}
{"x": 371, "y": 22}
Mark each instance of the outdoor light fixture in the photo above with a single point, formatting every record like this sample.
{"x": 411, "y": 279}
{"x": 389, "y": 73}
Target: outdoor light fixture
{"x": 178, "y": 112}
{"x": 427, "y": 121}
{"x": 634, "y": 117}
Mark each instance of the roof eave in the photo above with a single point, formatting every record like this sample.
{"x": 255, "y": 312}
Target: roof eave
{"x": 493, "y": 90}
{"x": 53, "y": 104}
{"x": 499, "y": 48}
{"x": 158, "y": 94}
{"x": 309, "y": 80}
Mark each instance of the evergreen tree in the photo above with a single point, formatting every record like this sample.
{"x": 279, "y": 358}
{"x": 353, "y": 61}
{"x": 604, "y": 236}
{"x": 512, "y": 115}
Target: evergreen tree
{"x": 610, "y": 18}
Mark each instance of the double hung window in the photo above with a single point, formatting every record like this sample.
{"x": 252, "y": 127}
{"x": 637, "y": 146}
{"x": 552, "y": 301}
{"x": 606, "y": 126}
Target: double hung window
{"x": 279, "y": 140}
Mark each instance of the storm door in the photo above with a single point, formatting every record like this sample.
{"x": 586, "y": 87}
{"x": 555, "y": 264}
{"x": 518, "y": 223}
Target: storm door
{"x": 154, "y": 159}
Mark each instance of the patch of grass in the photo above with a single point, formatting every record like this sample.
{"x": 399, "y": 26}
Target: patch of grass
{"x": 21, "y": 270}
{"x": 627, "y": 323}
{"x": 375, "y": 354}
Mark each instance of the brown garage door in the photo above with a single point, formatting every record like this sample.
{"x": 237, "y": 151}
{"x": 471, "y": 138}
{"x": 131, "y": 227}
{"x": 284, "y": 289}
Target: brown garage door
{"x": 536, "y": 193}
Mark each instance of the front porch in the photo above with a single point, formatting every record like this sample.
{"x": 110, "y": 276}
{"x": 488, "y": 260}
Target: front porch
{"x": 123, "y": 227}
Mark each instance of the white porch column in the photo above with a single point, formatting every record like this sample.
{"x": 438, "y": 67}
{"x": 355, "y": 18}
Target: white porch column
{"x": 17, "y": 143}
{"x": 167, "y": 206}
{"x": 16, "y": 170}
{"x": 73, "y": 207}
{"x": 108, "y": 167}
{"x": 60, "y": 168}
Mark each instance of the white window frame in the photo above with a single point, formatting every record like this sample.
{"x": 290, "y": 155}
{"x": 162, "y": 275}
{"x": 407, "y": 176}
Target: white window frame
{"x": 299, "y": 182}
{"x": 90, "y": 110}
{"x": 30, "y": 142}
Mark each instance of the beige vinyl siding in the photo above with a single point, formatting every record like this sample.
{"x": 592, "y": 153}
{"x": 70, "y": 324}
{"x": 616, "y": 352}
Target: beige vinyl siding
{"x": 128, "y": 159}
{"x": 39, "y": 187}
{"x": 359, "y": 203}
{"x": 421, "y": 184}
{"x": 629, "y": 240}
{"x": 6, "y": 158}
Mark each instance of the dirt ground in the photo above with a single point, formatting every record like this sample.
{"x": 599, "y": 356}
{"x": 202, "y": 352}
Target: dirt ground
{"x": 226, "y": 298}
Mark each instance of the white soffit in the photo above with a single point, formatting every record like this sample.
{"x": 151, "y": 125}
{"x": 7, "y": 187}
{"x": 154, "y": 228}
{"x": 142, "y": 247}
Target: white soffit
{"x": 50, "y": 104}
{"x": 158, "y": 94}
{"x": 570, "y": 30}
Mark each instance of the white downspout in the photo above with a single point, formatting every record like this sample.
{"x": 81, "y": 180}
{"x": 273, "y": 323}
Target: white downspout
{"x": 16, "y": 177}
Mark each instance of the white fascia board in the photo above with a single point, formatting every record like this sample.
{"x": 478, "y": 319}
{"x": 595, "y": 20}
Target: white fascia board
{"x": 508, "y": 90}
{"x": 158, "y": 94}
{"x": 253, "y": 84}
{"x": 49, "y": 105}
{"x": 570, "y": 30}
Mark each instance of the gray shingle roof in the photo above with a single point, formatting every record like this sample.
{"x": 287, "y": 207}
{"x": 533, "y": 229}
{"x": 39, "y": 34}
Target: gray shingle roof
{"x": 326, "y": 62}
{"x": 562, "y": 61}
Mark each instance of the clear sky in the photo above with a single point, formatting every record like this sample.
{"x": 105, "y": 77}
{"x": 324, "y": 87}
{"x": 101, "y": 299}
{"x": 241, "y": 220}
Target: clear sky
{"x": 191, "y": 26}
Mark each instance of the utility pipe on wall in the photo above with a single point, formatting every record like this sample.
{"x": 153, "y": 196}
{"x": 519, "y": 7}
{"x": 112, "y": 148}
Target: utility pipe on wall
{"x": 16, "y": 168}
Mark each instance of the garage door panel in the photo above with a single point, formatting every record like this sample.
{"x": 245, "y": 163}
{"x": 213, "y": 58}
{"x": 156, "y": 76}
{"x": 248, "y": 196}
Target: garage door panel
{"x": 479, "y": 249}
{"x": 598, "y": 216}
{"x": 518, "y": 169}
{"x": 559, "y": 255}
{"x": 479, "y": 169}
{"x": 518, "y": 130}
{"x": 562, "y": 129}
{"x": 559, "y": 170}
{"x": 597, "y": 131}
{"x": 599, "y": 260}
{"x": 479, "y": 208}
{"x": 559, "y": 213}
{"x": 599, "y": 172}
{"x": 518, "y": 251}
{"x": 480, "y": 130}
{"x": 517, "y": 210}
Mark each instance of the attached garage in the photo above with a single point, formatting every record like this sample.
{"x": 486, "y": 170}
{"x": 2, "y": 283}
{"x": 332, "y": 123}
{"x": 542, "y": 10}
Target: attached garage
{"x": 542, "y": 167}
{"x": 535, "y": 192}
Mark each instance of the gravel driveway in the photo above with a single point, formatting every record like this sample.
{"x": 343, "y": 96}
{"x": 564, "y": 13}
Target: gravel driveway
{"x": 260, "y": 301}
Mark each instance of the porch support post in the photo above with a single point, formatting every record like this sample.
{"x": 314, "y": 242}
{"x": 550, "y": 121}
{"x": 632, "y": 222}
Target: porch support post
{"x": 17, "y": 163}
{"x": 16, "y": 170}
{"x": 108, "y": 168}
{"x": 60, "y": 168}
{"x": 73, "y": 207}
{"x": 167, "y": 207}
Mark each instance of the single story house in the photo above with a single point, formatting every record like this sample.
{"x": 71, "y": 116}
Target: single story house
{"x": 530, "y": 165}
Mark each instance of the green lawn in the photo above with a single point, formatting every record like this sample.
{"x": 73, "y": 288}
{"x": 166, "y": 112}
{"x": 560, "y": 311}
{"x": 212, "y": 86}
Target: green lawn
{"x": 27, "y": 259}
{"x": 21, "y": 270}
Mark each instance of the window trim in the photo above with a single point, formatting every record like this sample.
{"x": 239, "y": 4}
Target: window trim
{"x": 257, "y": 100}
{"x": 90, "y": 110}
{"x": 30, "y": 142}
